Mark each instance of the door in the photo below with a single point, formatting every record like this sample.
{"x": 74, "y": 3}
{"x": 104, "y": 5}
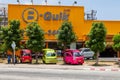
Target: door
{"x": 68, "y": 57}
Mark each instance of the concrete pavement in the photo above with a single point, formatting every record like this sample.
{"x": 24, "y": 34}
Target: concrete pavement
{"x": 61, "y": 66}
{"x": 55, "y": 74}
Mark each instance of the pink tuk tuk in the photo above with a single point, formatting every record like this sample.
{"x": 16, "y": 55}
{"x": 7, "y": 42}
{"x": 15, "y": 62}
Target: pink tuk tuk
{"x": 73, "y": 57}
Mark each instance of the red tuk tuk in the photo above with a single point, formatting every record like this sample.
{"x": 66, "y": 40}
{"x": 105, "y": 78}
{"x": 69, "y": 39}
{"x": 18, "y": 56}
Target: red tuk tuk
{"x": 26, "y": 56}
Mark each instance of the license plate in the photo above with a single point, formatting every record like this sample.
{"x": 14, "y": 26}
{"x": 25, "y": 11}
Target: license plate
{"x": 27, "y": 61}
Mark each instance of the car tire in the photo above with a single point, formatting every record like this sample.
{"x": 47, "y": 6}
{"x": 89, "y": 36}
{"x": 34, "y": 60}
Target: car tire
{"x": 30, "y": 62}
{"x": 88, "y": 58}
{"x": 20, "y": 61}
{"x": 43, "y": 61}
{"x": 81, "y": 63}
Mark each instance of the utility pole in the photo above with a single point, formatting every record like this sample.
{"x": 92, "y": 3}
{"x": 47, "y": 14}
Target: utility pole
{"x": 0, "y": 20}
{"x": 18, "y": 1}
{"x": 59, "y": 2}
{"x": 32, "y": 2}
{"x": 75, "y": 2}
{"x": 91, "y": 15}
{"x": 4, "y": 14}
{"x": 46, "y": 2}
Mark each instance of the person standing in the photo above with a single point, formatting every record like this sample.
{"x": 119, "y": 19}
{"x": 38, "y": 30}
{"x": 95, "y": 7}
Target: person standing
{"x": 9, "y": 59}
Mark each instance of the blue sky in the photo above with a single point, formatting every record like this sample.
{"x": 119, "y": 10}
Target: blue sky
{"x": 106, "y": 9}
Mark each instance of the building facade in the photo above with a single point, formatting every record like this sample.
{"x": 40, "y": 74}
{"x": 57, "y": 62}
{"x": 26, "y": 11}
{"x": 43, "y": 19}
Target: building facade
{"x": 50, "y": 18}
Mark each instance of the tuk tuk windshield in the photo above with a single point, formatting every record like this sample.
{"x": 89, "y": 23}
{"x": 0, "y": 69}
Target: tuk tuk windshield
{"x": 26, "y": 54}
{"x": 50, "y": 54}
{"x": 76, "y": 54}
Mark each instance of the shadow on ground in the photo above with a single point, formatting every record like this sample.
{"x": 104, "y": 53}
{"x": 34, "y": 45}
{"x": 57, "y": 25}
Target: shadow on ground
{"x": 100, "y": 65}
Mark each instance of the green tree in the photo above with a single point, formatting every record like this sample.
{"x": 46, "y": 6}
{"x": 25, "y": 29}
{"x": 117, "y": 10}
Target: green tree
{"x": 36, "y": 40}
{"x": 12, "y": 33}
{"x": 65, "y": 34}
{"x": 116, "y": 45}
{"x": 97, "y": 38}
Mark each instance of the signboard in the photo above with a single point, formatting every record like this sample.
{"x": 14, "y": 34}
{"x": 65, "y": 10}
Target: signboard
{"x": 49, "y": 17}
{"x": 73, "y": 45}
{"x": 13, "y": 45}
{"x": 31, "y": 14}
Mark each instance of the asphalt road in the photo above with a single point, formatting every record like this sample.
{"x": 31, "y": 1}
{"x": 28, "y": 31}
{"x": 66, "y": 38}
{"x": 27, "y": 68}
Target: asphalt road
{"x": 56, "y": 74}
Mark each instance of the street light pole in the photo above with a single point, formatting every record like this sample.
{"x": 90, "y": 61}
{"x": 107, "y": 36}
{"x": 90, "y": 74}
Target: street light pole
{"x": 4, "y": 15}
{"x": 14, "y": 55}
{"x": 18, "y": 1}
{"x": 46, "y": 2}
{"x": 32, "y": 2}
{"x": 75, "y": 2}
{"x": 13, "y": 45}
{"x": 59, "y": 2}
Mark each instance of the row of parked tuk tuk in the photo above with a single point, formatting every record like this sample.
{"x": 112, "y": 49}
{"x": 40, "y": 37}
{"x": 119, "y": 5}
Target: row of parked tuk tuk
{"x": 70, "y": 56}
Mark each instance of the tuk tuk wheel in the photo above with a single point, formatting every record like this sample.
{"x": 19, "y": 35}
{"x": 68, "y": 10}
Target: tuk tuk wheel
{"x": 43, "y": 61}
{"x": 81, "y": 63}
{"x": 30, "y": 62}
{"x": 20, "y": 61}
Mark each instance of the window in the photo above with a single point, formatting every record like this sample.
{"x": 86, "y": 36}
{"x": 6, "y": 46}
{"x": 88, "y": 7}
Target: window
{"x": 87, "y": 49}
{"x": 50, "y": 54}
{"x": 76, "y": 54}
{"x": 26, "y": 54}
{"x": 68, "y": 54}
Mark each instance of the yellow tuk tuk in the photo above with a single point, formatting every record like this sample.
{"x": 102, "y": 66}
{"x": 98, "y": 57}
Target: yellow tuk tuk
{"x": 49, "y": 56}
